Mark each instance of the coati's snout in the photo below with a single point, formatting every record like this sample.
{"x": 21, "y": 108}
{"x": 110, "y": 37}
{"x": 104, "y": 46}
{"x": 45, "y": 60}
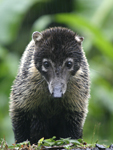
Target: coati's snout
{"x": 57, "y": 87}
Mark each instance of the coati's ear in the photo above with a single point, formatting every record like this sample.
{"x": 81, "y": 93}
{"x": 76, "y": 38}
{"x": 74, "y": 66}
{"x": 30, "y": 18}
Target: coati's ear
{"x": 79, "y": 39}
{"x": 37, "y": 36}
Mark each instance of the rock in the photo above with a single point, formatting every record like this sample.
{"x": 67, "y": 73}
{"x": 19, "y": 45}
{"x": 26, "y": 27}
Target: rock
{"x": 95, "y": 148}
{"x": 100, "y": 146}
{"x": 111, "y": 146}
{"x": 88, "y": 148}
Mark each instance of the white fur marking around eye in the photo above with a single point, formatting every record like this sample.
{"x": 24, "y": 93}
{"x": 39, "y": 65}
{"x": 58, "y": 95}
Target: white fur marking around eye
{"x": 69, "y": 59}
{"x": 66, "y": 60}
{"x": 45, "y": 59}
{"x": 44, "y": 69}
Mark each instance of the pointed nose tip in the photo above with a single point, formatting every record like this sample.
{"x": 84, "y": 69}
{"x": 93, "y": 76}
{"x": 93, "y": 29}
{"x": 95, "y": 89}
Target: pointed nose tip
{"x": 57, "y": 93}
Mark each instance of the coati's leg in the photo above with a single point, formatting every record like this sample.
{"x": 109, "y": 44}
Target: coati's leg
{"x": 71, "y": 130}
{"x": 21, "y": 126}
{"x": 71, "y": 126}
{"x": 39, "y": 128}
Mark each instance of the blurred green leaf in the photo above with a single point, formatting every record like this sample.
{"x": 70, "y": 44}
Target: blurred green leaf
{"x": 99, "y": 39}
{"x": 102, "y": 12}
{"x": 9, "y": 62}
{"x": 42, "y": 22}
{"x": 11, "y": 15}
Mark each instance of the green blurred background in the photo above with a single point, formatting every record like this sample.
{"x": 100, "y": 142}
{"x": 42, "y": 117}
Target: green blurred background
{"x": 92, "y": 19}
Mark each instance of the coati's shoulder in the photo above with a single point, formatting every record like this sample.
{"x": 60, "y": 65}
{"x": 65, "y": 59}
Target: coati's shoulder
{"x": 26, "y": 59}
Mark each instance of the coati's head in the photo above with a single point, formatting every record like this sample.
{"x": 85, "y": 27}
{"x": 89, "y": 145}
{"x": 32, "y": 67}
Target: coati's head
{"x": 57, "y": 56}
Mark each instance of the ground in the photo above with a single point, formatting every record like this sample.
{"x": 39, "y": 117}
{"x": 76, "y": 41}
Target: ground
{"x": 52, "y": 144}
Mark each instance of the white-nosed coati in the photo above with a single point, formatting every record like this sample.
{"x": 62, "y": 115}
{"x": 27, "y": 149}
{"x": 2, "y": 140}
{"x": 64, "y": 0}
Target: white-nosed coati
{"x": 50, "y": 93}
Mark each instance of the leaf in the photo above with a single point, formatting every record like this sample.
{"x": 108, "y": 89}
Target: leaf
{"x": 102, "y": 12}
{"x": 65, "y": 140}
{"x": 75, "y": 142}
{"x": 42, "y": 22}
{"x": 93, "y": 31}
{"x": 12, "y": 13}
{"x": 80, "y": 140}
{"x": 41, "y": 140}
{"x": 7, "y": 65}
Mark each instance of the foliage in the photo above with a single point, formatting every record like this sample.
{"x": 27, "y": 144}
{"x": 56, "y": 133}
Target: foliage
{"x": 91, "y": 19}
{"x": 66, "y": 143}
{"x": 5, "y": 146}
{"x": 10, "y": 23}
{"x": 63, "y": 143}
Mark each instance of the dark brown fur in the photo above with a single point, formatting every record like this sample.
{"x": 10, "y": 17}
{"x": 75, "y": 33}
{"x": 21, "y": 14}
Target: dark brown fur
{"x": 35, "y": 113}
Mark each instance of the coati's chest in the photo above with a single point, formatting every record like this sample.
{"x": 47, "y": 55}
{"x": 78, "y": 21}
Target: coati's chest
{"x": 51, "y": 108}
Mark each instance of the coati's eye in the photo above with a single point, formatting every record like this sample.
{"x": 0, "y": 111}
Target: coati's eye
{"x": 69, "y": 64}
{"x": 46, "y": 64}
